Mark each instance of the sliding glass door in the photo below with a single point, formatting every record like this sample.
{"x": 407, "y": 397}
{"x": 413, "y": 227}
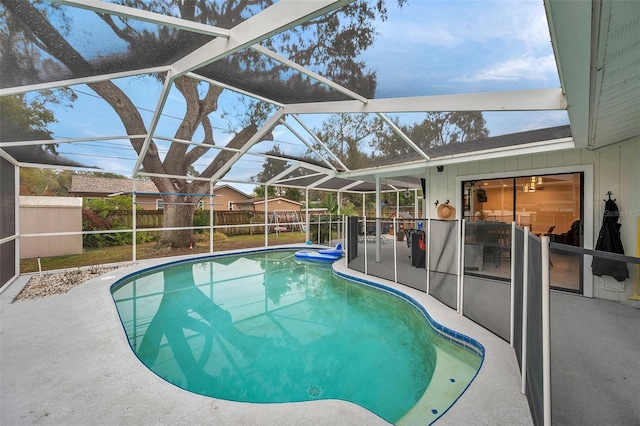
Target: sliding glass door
{"x": 550, "y": 205}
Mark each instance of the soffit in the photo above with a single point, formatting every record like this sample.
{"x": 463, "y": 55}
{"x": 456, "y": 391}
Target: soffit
{"x": 597, "y": 48}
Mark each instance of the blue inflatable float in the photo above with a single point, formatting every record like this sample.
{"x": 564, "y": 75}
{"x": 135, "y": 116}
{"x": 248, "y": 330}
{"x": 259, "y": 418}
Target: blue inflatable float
{"x": 325, "y": 255}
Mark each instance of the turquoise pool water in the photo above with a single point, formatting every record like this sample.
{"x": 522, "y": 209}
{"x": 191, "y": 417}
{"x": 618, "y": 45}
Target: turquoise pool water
{"x": 266, "y": 328}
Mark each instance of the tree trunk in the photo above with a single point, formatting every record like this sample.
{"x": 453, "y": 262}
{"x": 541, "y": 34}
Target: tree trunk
{"x": 177, "y": 216}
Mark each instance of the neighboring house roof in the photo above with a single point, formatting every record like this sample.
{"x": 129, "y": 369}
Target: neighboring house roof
{"x": 221, "y": 187}
{"x": 82, "y": 184}
{"x": 254, "y": 201}
{"x": 101, "y": 186}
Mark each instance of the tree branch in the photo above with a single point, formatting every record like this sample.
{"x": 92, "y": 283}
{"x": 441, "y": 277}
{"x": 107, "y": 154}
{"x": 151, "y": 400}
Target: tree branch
{"x": 198, "y": 151}
{"x": 238, "y": 141}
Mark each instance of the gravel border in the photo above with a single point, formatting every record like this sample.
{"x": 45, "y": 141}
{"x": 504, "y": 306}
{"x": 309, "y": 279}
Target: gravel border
{"x": 40, "y": 286}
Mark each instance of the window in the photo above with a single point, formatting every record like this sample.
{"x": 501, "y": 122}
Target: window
{"x": 549, "y": 205}
{"x": 159, "y": 204}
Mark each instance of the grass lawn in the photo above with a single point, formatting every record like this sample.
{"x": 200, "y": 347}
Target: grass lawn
{"x": 104, "y": 256}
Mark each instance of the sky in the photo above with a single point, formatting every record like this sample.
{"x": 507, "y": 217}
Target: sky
{"x": 464, "y": 46}
{"x": 427, "y": 47}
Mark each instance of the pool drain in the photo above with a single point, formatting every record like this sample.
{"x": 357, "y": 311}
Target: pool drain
{"x": 314, "y": 391}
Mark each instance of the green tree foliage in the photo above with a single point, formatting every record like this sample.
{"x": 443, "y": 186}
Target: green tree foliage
{"x": 331, "y": 203}
{"x": 258, "y": 191}
{"x": 436, "y": 130}
{"x": 270, "y": 169}
{"x": 293, "y": 194}
{"x": 45, "y": 182}
{"x": 24, "y": 120}
{"x": 348, "y": 136}
{"x": 107, "y": 175}
{"x": 99, "y": 214}
{"x": 363, "y": 140}
{"x": 201, "y": 218}
{"x": 443, "y": 128}
{"x": 117, "y": 202}
{"x": 333, "y": 42}
{"x": 93, "y": 220}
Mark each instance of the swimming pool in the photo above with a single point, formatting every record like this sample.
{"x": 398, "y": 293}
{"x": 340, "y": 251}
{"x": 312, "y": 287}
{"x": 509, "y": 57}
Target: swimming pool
{"x": 265, "y": 327}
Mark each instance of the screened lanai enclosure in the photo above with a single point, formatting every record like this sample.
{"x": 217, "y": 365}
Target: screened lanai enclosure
{"x": 459, "y": 148}
{"x": 320, "y": 96}
{"x": 364, "y": 100}
{"x": 283, "y": 98}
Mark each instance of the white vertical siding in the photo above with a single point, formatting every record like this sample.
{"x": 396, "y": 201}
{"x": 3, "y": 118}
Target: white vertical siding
{"x": 510, "y": 164}
{"x": 616, "y": 168}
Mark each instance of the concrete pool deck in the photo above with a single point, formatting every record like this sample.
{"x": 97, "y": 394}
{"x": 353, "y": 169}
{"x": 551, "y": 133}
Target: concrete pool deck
{"x": 65, "y": 359}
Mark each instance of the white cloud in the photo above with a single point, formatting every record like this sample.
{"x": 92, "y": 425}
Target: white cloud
{"x": 518, "y": 21}
{"x": 436, "y": 35}
{"x": 506, "y": 122}
{"x": 495, "y": 45}
{"x": 520, "y": 68}
{"x": 116, "y": 166}
{"x": 532, "y": 27}
{"x": 280, "y": 132}
{"x": 546, "y": 119}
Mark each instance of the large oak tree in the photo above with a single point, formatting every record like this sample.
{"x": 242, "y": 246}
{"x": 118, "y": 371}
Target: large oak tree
{"x": 332, "y": 42}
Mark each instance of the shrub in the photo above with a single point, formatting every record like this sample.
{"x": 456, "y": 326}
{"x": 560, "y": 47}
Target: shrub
{"x": 118, "y": 202}
{"x": 200, "y": 218}
{"x": 72, "y": 277}
{"x": 93, "y": 221}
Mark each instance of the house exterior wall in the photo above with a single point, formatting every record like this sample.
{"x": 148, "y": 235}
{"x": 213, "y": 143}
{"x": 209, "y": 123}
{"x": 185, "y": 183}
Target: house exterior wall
{"x": 278, "y": 205}
{"x": 614, "y": 168}
{"x": 147, "y": 195}
{"x": 220, "y": 201}
{"x": 226, "y": 199}
{"x": 48, "y": 215}
{"x": 147, "y": 202}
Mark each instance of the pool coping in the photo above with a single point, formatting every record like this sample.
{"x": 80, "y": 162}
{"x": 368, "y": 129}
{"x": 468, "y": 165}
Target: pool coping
{"x": 66, "y": 359}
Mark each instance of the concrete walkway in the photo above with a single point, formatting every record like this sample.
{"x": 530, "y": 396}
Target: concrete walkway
{"x": 65, "y": 359}
{"x": 595, "y": 361}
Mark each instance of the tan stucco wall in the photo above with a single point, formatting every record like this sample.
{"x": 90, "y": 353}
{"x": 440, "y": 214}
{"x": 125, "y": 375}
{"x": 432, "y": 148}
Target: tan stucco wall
{"x": 48, "y": 215}
{"x": 147, "y": 202}
{"x": 224, "y": 196}
{"x": 278, "y": 205}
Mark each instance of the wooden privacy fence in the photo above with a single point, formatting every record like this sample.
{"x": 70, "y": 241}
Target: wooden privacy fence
{"x": 231, "y": 223}
{"x": 144, "y": 218}
{"x": 234, "y": 219}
